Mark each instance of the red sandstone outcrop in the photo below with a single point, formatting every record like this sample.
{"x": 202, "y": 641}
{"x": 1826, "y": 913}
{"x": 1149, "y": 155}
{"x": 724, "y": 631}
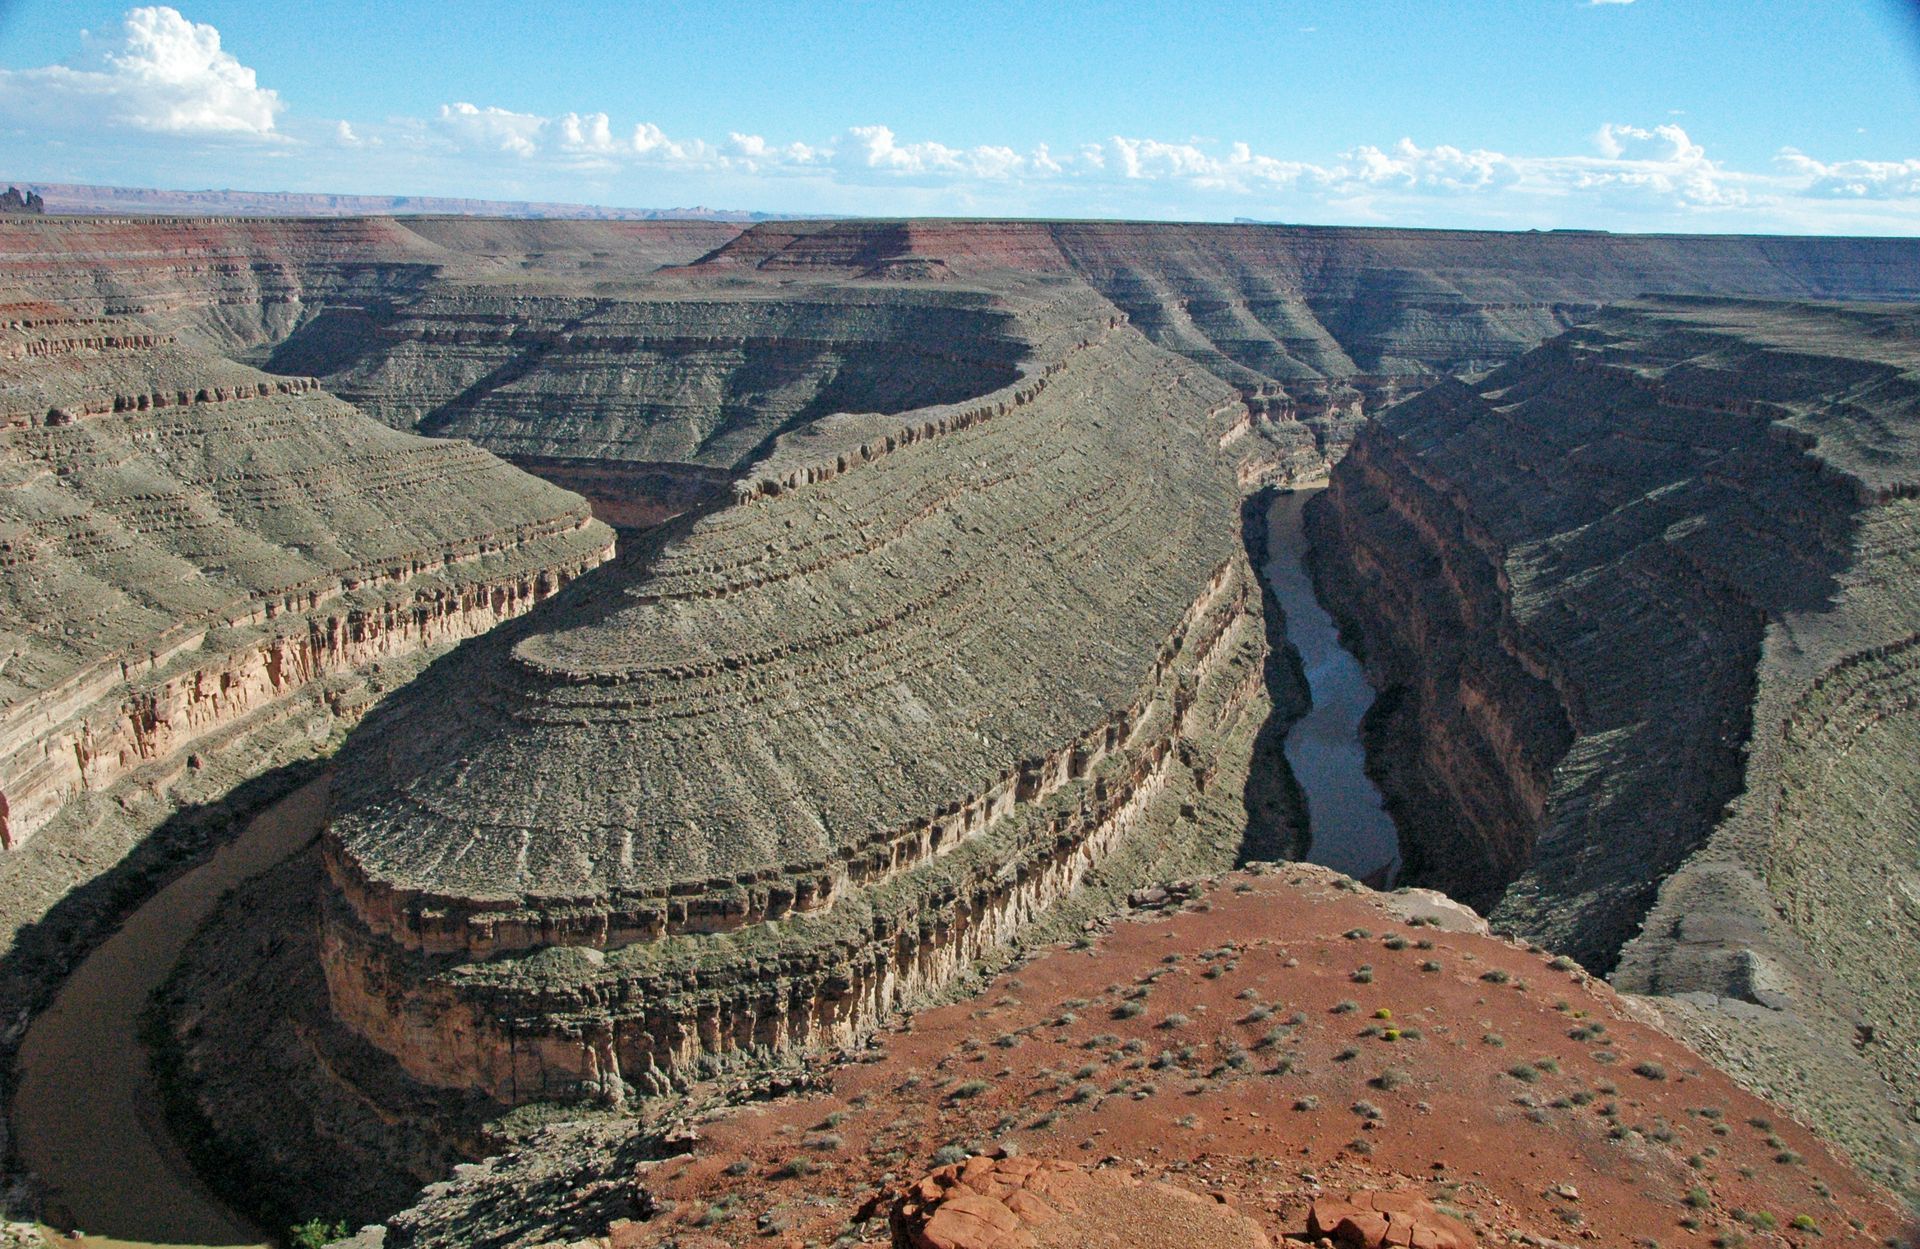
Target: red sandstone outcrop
{"x": 1386, "y": 1220}
{"x": 1027, "y": 1203}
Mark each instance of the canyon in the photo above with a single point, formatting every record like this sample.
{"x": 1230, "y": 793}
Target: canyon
{"x": 936, "y": 630}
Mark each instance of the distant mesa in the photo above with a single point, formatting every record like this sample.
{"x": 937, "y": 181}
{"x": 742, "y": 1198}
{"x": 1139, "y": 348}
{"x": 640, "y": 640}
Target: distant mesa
{"x": 89, "y": 199}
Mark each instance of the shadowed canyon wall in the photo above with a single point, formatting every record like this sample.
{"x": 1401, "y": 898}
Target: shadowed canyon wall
{"x": 1642, "y": 605}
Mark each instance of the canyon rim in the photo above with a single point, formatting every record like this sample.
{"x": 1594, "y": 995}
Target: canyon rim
{"x": 532, "y": 724}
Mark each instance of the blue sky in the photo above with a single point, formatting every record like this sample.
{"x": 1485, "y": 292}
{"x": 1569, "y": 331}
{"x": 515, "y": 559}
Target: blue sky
{"x": 1623, "y": 114}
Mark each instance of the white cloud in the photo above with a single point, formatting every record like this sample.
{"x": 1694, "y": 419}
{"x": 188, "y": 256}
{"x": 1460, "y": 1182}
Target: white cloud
{"x": 492, "y": 129}
{"x": 1655, "y": 175}
{"x": 156, "y": 75}
{"x": 1853, "y": 179}
{"x": 156, "y": 72}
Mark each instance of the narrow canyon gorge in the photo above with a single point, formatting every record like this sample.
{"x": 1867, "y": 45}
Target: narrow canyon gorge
{"x": 716, "y": 644}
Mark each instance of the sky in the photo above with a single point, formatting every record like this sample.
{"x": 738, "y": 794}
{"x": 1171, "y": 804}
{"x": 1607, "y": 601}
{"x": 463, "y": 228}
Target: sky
{"x": 1798, "y": 116}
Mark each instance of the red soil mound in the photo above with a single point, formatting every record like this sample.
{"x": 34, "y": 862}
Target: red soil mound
{"x": 1281, "y": 1046}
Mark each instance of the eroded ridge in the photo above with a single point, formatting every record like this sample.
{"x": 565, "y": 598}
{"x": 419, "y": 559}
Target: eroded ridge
{"x": 811, "y": 754}
{"x": 1643, "y": 603}
{"x": 188, "y": 540}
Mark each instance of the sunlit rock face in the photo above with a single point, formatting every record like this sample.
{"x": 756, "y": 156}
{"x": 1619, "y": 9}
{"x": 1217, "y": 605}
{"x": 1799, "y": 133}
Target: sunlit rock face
{"x": 189, "y": 542}
{"x": 816, "y": 751}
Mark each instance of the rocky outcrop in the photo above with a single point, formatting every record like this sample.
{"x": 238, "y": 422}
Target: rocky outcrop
{"x": 1031, "y": 1203}
{"x": 1641, "y": 604}
{"x": 983, "y": 617}
{"x": 1213, "y": 1048}
{"x": 1383, "y": 1220}
{"x": 13, "y": 201}
{"x": 187, "y": 541}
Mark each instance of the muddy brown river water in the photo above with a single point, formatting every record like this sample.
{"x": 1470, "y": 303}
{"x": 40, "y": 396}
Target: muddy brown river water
{"x": 86, "y": 1117}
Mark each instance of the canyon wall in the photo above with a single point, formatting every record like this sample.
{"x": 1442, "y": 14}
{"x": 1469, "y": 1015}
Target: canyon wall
{"x": 1318, "y": 327}
{"x": 186, "y": 540}
{"x": 815, "y": 753}
{"x": 942, "y": 613}
{"x": 1641, "y": 603}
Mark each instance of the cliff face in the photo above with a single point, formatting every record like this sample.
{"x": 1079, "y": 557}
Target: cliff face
{"x": 817, "y": 752}
{"x": 242, "y": 283}
{"x": 647, "y": 402}
{"x": 1319, "y": 327}
{"x": 187, "y": 540}
{"x": 1641, "y": 600}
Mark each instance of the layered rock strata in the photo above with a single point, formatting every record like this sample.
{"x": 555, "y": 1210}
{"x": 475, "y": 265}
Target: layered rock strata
{"x": 1643, "y": 603}
{"x": 1318, "y": 327}
{"x": 647, "y": 403}
{"x": 186, "y": 540}
{"x": 814, "y": 753}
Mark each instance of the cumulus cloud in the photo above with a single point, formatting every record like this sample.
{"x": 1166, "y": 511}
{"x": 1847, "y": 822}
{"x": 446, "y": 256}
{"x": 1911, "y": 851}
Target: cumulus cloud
{"x": 1852, "y": 179}
{"x": 156, "y": 73}
{"x": 1646, "y": 171}
{"x": 492, "y": 129}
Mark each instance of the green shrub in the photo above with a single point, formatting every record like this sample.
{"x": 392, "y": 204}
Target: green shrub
{"x": 314, "y": 1233}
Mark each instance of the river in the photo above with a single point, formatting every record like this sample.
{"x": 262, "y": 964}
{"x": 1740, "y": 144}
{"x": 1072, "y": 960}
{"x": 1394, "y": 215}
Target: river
{"x": 1351, "y": 831}
{"x": 86, "y": 1116}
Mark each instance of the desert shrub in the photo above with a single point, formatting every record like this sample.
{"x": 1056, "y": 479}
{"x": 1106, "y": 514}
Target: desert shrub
{"x": 1651, "y": 1071}
{"x": 314, "y": 1233}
